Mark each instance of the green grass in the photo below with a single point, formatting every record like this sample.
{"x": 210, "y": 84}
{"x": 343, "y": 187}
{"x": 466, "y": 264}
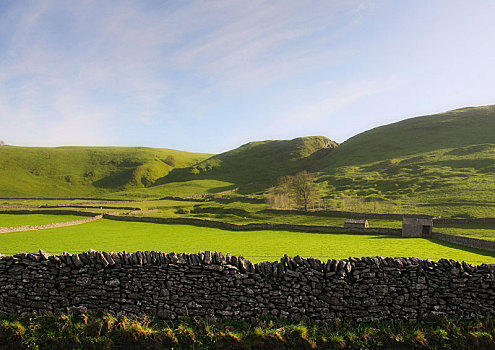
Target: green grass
{"x": 255, "y": 245}
{"x": 89, "y": 331}
{"x": 139, "y": 172}
{"x": 84, "y": 171}
{"x": 442, "y": 164}
{"x": 458, "y": 129}
{"x": 262, "y": 161}
{"x": 13, "y": 220}
{"x": 244, "y": 212}
{"x": 178, "y": 189}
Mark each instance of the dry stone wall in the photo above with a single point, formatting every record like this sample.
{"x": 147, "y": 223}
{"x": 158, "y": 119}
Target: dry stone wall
{"x": 213, "y": 285}
{"x": 255, "y": 226}
{"x": 336, "y": 213}
{"x": 47, "y": 226}
{"x": 469, "y": 242}
{"x": 464, "y": 221}
{"x": 49, "y": 211}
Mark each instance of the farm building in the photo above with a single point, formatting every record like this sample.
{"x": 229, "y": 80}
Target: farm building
{"x": 417, "y": 226}
{"x": 356, "y": 223}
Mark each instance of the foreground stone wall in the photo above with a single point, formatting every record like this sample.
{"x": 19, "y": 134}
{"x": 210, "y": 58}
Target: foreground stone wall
{"x": 212, "y": 285}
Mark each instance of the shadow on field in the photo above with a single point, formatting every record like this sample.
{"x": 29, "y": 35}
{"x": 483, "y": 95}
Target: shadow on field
{"x": 445, "y": 244}
{"x": 466, "y": 249}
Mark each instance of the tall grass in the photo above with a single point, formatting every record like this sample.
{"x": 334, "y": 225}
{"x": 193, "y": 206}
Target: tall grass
{"x": 90, "y": 331}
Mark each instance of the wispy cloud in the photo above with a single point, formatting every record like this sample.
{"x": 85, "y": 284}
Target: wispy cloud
{"x": 91, "y": 72}
{"x": 329, "y": 98}
{"x": 67, "y": 65}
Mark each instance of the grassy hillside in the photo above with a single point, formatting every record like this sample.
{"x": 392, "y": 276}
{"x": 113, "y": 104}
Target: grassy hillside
{"x": 85, "y": 171}
{"x": 440, "y": 164}
{"x": 456, "y": 129}
{"x": 262, "y": 161}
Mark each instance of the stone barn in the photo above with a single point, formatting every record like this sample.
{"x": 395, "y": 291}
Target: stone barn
{"x": 356, "y": 223}
{"x": 415, "y": 226}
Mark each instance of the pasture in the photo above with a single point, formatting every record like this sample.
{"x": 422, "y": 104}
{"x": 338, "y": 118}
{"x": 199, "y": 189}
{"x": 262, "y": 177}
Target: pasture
{"x": 257, "y": 246}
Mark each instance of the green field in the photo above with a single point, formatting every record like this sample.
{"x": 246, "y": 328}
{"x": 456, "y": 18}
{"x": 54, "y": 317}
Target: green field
{"x": 255, "y": 245}
{"x": 442, "y": 164}
{"x": 13, "y": 220}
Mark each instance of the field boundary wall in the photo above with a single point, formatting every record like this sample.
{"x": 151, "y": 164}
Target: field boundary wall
{"x": 350, "y": 214}
{"x": 469, "y": 242}
{"x": 49, "y": 211}
{"x": 66, "y": 206}
{"x": 47, "y": 226}
{"x": 336, "y": 213}
{"x": 464, "y": 221}
{"x": 75, "y": 199}
{"x": 212, "y": 285}
{"x": 254, "y": 226}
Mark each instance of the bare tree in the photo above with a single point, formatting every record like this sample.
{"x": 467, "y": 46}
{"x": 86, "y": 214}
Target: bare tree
{"x": 304, "y": 189}
{"x": 281, "y": 196}
{"x": 297, "y": 190}
{"x": 2, "y": 143}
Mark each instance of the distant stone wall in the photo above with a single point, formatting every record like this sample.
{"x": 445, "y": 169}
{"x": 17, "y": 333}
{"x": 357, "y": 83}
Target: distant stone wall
{"x": 336, "y": 213}
{"x": 49, "y": 211}
{"x": 67, "y": 206}
{"x": 142, "y": 211}
{"x": 73, "y": 199}
{"x": 255, "y": 226}
{"x": 47, "y": 226}
{"x": 469, "y": 242}
{"x": 196, "y": 198}
{"x": 464, "y": 221}
{"x": 212, "y": 285}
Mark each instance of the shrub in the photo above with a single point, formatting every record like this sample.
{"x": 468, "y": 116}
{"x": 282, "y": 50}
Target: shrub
{"x": 183, "y": 211}
{"x": 170, "y": 160}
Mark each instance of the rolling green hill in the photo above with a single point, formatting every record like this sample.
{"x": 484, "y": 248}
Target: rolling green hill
{"x": 443, "y": 163}
{"x": 139, "y": 172}
{"x": 85, "y": 171}
{"x": 459, "y": 128}
{"x": 262, "y": 161}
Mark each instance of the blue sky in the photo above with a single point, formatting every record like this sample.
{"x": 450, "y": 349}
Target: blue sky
{"x": 209, "y": 76}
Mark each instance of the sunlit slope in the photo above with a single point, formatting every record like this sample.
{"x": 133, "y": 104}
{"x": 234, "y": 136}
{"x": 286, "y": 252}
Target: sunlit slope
{"x": 85, "y": 171}
{"x": 455, "y": 129}
{"x": 262, "y": 161}
{"x": 446, "y": 159}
